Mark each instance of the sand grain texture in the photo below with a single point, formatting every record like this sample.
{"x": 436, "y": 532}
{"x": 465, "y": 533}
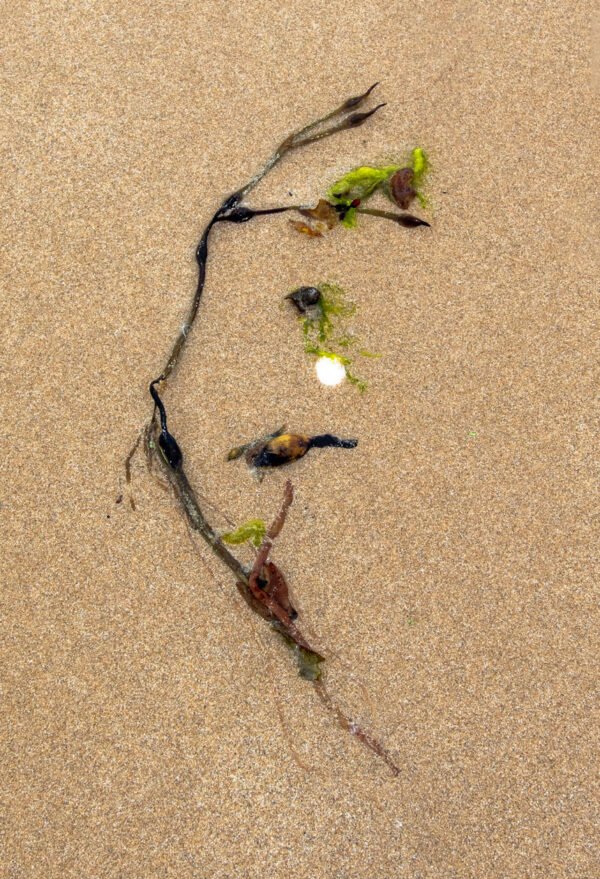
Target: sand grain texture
{"x": 153, "y": 727}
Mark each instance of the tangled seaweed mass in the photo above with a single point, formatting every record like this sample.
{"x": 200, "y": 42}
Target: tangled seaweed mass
{"x": 263, "y": 584}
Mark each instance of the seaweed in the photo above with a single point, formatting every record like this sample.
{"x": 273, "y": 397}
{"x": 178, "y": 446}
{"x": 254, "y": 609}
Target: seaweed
{"x": 346, "y": 197}
{"x": 325, "y": 329}
{"x": 401, "y": 184}
{"x": 253, "y": 531}
{"x": 263, "y": 584}
{"x": 278, "y": 449}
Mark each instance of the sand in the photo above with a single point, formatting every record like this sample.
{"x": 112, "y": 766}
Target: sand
{"x": 151, "y": 725}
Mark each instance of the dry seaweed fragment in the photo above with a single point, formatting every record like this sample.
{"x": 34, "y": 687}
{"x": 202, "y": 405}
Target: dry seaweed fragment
{"x": 305, "y": 229}
{"x": 270, "y": 597}
{"x": 323, "y": 212}
{"x": 321, "y": 219}
{"x": 276, "y": 586}
{"x": 272, "y": 582}
{"x": 355, "y": 728}
{"x": 285, "y": 448}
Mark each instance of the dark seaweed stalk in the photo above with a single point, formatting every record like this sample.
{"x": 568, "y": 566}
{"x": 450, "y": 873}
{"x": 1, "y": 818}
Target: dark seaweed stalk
{"x": 407, "y": 220}
{"x": 328, "y": 439}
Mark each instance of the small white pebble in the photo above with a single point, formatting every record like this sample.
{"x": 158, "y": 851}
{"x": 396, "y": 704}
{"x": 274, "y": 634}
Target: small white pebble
{"x": 330, "y": 371}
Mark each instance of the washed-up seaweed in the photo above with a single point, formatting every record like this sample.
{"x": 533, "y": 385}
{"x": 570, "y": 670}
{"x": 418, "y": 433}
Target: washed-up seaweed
{"x": 324, "y": 312}
{"x": 347, "y": 196}
{"x": 263, "y": 584}
{"x": 281, "y": 448}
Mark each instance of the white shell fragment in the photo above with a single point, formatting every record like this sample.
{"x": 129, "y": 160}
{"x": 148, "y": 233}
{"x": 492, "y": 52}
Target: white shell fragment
{"x": 330, "y": 371}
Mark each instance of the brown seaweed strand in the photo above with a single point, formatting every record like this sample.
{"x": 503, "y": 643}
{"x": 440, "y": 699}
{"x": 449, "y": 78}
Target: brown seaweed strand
{"x": 303, "y": 137}
{"x": 201, "y": 259}
{"x": 354, "y": 728}
{"x": 199, "y": 523}
{"x": 165, "y": 445}
{"x": 275, "y": 609}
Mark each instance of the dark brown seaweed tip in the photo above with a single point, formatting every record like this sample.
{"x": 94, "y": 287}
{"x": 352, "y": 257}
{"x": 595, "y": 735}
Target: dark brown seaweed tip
{"x": 357, "y": 119}
{"x": 352, "y": 103}
{"x": 328, "y": 439}
{"x": 410, "y": 222}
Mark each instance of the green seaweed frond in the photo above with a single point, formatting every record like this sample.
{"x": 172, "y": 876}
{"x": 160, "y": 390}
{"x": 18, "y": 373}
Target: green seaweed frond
{"x": 350, "y": 219}
{"x": 359, "y": 383}
{"x": 325, "y": 352}
{"x": 420, "y": 166}
{"x": 334, "y": 301}
{"x": 253, "y": 530}
{"x": 360, "y": 183}
{"x": 347, "y": 340}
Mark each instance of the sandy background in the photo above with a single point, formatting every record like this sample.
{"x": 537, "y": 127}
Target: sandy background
{"x": 151, "y": 725}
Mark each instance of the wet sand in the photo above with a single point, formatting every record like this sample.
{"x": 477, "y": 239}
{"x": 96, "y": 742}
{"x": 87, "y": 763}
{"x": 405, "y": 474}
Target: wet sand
{"x": 151, "y": 725}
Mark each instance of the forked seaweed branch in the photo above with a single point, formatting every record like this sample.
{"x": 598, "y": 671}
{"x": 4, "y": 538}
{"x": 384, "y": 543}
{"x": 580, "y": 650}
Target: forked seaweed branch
{"x": 262, "y": 584}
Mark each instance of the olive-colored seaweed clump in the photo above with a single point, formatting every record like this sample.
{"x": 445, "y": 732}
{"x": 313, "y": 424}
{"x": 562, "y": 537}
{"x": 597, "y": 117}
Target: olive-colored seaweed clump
{"x": 252, "y": 531}
{"x": 400, "y": 183}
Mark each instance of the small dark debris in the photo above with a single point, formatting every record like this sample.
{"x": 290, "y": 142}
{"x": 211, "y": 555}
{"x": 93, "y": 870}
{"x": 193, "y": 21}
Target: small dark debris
{"x": 305, "y": 298}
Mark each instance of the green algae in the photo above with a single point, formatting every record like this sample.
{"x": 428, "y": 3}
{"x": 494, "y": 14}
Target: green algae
{"x": 359, "y": 184}
{"x": 253, "y": 530}
{"x": 325, "y": 332}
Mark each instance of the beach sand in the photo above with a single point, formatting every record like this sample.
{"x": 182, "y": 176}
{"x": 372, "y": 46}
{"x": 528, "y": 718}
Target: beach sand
{"x": 152, "y": 726}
